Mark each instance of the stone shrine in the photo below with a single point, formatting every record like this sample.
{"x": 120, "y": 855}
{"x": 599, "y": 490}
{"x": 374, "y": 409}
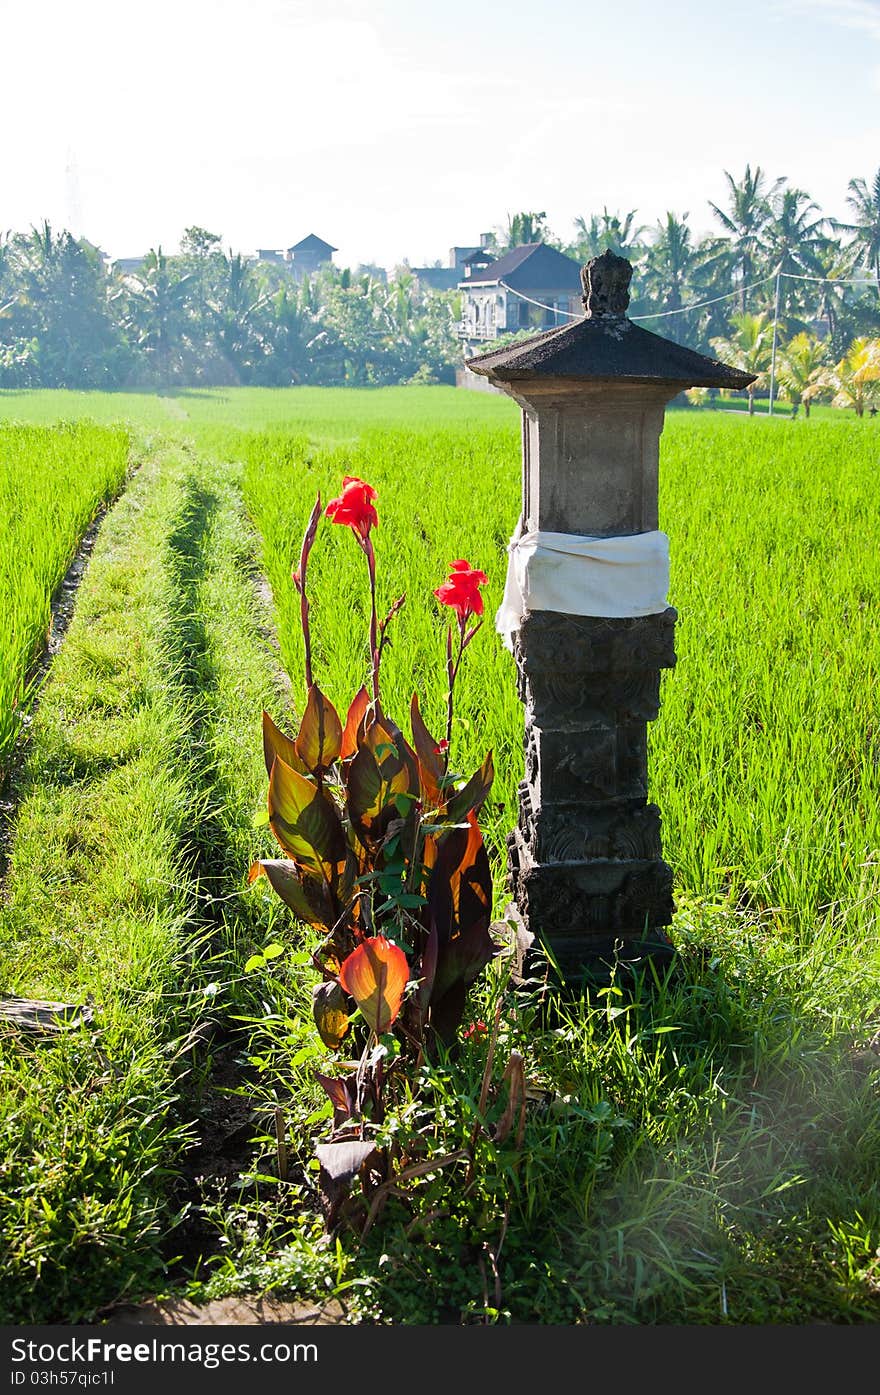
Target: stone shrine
{"x": 585, "y": 859}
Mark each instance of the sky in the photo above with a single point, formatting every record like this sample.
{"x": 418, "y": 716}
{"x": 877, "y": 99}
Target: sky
{"x": 395, "y": 129}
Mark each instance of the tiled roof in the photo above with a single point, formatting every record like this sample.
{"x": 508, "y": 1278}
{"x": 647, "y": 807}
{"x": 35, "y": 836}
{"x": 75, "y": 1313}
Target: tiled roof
{"x": 312, "y": 244}
{"x": 606, "y": 346}
{"x": 533, "y": 267}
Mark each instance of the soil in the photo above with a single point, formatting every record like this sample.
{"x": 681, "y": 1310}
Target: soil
{"x": 242, "y": 1311}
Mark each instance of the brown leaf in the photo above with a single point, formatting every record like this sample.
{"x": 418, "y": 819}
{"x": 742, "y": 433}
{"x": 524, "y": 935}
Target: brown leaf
{"x": 470, "y": 799}
{"x": 514, "y": 1077}
{"x": 429, "y": 758}
{"x": 343, "y": 1161}
{"x": 308, "y": 897}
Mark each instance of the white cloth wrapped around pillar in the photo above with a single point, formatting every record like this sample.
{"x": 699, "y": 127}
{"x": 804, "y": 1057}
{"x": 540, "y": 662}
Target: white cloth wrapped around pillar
{"x": 573, "y": 575}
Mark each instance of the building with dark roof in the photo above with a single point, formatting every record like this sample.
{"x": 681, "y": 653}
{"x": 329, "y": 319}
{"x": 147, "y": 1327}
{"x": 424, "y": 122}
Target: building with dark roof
{"x": 309, "y": 255}
{"x": 303, "y": 258}
{"x": 531, "y": 287}
{"x": 446, "y": 278}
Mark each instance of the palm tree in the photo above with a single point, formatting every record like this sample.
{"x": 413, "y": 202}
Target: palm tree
{"x": 748, "y": 348}
{"x": 855, "y": 380}
{"x": 588, "y": 238}
{"x": 801, "y": 369}
{"x": 833, "y": 267}
{"x": 742, "y": 248}
{"x": 794, "y": 239}
{"x": 621, "y": 234}
{"x": 156, "y": 310}
{"x": 865, "y": 231}
{"x": 669, "y": 263}
{"x": 608, "y": 231}
{"x": 62, "y": 302}
{"x": 523, "y": 228}
{"x": 232, "y": 309}
{"x": 294, "y": 338}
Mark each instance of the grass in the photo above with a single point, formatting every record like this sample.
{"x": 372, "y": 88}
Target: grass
{"x": 52, "y": 482}
{"x": 132, "y": 808}
{"x": 698, "y": 1150}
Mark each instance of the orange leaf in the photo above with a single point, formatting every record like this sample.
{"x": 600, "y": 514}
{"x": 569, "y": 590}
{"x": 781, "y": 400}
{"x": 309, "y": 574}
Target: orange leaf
{"x": 375, "y": 975}
{"x": 356, "y": 714}
{"x": 430, "y": 760}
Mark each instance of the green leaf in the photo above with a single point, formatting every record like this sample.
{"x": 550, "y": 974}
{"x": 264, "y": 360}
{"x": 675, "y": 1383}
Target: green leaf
{"x": 305, "y": 822}
{"x": 256, "y": 961}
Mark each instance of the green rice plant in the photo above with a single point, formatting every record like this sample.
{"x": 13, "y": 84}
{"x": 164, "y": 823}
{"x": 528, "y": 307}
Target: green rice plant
{"x": 765, "y": 760}
{"x": 52, "y": 482}
{"x": 700, "y": 1149}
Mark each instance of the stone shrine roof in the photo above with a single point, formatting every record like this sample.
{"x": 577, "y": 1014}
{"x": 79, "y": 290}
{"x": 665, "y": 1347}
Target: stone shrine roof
{"x": 606, "y": 344}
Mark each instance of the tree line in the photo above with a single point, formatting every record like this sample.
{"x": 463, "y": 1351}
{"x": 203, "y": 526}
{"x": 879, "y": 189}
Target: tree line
{"x": 206, "y": 316}
{"x": 776, "y": 261}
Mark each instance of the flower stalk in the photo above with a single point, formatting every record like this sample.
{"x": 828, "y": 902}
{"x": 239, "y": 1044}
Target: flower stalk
{"x": 299, "y": 581}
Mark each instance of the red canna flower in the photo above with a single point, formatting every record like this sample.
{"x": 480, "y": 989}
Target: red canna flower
{"x": 462, "y": 590}
{"x": 475, "y": 1030}
{"x": 355, "y": 507}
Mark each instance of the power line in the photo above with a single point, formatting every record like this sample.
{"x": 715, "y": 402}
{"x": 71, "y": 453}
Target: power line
{"x": 701, "y": 304}
{"x": 572, "y": 315}
{"x": 834, "y": 280}
{"x": 698, "y": 305}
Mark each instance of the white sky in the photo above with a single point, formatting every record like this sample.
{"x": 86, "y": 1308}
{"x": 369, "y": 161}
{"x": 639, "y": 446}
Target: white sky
{"x": 396, "y": 128}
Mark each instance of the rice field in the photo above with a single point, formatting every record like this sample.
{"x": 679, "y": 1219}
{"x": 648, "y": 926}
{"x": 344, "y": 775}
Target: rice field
{"x": 52, "y": 482}
{"x": 706, "y": 1152}
{"x": 765, "y": 758}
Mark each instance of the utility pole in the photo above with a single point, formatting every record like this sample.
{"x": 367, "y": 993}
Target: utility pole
{"x": 775, "y": 330}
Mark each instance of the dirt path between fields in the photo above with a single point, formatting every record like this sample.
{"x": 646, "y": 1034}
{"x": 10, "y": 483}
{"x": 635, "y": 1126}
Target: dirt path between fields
{"x": 243, "y": 1311}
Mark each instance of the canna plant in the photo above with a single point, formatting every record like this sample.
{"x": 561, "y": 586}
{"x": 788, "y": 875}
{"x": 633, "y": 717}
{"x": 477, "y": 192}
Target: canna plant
{"x": 382, "y": 856}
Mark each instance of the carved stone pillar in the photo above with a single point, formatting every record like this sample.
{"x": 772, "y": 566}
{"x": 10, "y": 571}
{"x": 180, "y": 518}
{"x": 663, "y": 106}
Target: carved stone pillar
{"x": 585, "y": 857}
{"x": 586, "y": 862}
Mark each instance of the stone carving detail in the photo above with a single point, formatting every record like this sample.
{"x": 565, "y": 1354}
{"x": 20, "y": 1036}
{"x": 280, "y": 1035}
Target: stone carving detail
{"x": 569, "y": 644}
{"x": 605, "y": 281}
{"x": 585, "y": 858}
{"x": 568, "y": 833}
{"x": 567, "y": 700}
{"x": 615, "y": 898}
